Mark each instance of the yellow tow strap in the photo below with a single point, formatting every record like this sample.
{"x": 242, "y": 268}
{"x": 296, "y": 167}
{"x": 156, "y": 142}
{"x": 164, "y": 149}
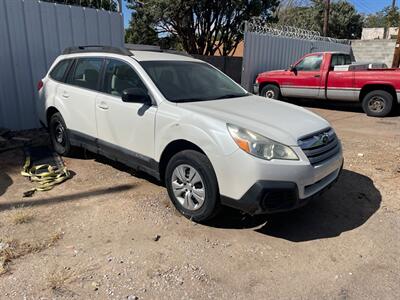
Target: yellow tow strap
{"x": 45, "y": 180}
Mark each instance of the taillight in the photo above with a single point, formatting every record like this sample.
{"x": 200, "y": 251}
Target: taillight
{"x": 39, "y": 85}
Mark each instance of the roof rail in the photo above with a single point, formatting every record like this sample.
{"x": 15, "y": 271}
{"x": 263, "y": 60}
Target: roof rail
{"x": 97, "y": 48}
{"x": 154, "y": 48}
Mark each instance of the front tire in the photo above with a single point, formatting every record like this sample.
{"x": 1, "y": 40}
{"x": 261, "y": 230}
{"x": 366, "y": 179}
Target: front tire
{"x": 59, "y": 135}
{"x": 377, "y": 103}
{"x": 271, "y": 91}
{"x": 192, "y": 185}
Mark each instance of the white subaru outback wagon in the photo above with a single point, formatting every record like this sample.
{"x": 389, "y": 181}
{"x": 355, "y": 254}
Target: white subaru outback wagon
{"x": 187, "y": 124}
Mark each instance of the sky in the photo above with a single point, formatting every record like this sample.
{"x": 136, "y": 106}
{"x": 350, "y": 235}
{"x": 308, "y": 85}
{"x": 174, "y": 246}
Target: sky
{"x": 363, "y": 6}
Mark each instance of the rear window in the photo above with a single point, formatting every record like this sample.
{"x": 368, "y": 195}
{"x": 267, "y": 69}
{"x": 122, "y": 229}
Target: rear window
{"x": 59, "y": 70}
{"x": 340, "y": 60}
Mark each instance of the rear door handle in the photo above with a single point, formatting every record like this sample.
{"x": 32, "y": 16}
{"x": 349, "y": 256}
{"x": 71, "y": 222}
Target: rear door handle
{"x": 103, "y": 105}
{"x": 317, "y": 76}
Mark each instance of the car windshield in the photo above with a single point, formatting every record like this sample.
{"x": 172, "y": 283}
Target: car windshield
{"x": 186, "y": 81}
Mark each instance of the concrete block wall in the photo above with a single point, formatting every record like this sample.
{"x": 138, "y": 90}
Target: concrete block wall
{"x": 374, "y": 51}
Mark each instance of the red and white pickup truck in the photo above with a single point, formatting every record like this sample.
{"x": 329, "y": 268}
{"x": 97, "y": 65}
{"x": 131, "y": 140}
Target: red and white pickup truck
{"x": 332, "y": 76}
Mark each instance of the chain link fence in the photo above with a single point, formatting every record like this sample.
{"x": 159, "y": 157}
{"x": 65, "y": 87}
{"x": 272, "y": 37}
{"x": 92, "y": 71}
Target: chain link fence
{"x": 273, "y": 47}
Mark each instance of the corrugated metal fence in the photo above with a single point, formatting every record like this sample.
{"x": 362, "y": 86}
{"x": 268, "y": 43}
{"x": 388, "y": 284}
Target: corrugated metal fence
{"x": 263, "y": 52}
{"x": 32, "y": 35}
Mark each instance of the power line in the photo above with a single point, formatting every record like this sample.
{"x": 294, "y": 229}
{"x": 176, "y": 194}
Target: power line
{"x": 359, "y": 3}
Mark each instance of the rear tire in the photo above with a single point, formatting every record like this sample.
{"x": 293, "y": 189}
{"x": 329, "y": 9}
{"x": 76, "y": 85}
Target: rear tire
{"x": 192, "y": 185}
{"x": 271, "y": 91}
{"x": 59, "y": 135}
{"x": 377, "y": 103}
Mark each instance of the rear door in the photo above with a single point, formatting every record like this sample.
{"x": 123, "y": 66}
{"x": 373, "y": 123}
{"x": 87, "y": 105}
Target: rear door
{"x": 77, "y": 99}
{"x": 306, "y": 78}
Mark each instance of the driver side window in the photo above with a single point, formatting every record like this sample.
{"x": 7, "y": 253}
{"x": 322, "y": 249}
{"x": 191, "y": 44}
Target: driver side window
{"x": 310, "y": 63}
{"x": 120, "y": 76}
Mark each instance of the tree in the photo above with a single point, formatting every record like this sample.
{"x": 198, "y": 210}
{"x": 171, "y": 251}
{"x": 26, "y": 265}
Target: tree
{"x": 140, "y": 30}
{"x": 100, "y": 4}
{"x": 344, "y": 21}
{"x": 383, "y": 18}
{"x": 201, "y": 26}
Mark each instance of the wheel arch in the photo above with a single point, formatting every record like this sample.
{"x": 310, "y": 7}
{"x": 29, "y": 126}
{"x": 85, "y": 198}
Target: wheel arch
{"x": 51, "y": 110}
{"x": 374, "y": 87}
{"x": 264, "y": 83}
{"x": 171, "y": 149}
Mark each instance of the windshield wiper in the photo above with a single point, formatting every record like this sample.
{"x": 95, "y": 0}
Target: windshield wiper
{"x": 232, "y": 96}
{"x": 190, "y": 100}
{"x": 210, "y": 99}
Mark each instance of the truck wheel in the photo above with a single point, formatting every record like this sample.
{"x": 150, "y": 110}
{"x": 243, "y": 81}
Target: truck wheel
{"x": 192, "y": 185}
{"x": 377, "y": 103}
{"x": 271, "y": 91}
{"x": 59, "y": 135}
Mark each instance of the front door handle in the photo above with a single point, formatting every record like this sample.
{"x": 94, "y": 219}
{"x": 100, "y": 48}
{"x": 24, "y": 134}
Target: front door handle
{"x": 65, "y": 95}
{"x": 317, "y": 76}
{"x": 103, "y": 105}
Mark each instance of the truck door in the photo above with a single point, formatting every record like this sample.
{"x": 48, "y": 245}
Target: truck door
{"x": 305, "y": 78}
{"x": 340, "y": 84}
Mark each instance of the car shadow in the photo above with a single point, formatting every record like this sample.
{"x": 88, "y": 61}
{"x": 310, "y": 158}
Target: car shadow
{"x": 346, "y": 206}
{"x": 31, "y": 202}
{"x": 335, "y": 105}
{"x": 86, "y": 154}
{"x": 5, "y": 182}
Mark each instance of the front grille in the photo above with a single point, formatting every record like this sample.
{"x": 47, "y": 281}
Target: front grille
{"x": 320, "y": 146}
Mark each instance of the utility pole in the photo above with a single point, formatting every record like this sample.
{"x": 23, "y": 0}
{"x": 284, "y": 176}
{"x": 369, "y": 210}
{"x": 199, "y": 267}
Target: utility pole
{"x": 326, "y": 17}
{"x": 390, "y": 20}
{"x": 396, "y": 56}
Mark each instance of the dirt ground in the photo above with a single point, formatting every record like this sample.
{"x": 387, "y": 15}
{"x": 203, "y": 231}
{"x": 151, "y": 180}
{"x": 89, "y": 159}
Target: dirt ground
{"x": 109, "y": 233}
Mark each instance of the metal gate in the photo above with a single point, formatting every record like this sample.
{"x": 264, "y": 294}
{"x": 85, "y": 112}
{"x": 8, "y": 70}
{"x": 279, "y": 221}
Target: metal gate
{"x": 268, "y": 47}
{"x": 32, "y": 35}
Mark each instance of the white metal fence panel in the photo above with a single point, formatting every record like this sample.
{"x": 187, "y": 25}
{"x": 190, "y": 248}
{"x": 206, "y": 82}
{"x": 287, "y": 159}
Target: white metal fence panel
{"x": 263, "y": 52}
{"x": 32, "y": 35}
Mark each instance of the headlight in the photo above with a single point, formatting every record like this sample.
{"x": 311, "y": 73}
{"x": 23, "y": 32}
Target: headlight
{"x": 259, "y": 145}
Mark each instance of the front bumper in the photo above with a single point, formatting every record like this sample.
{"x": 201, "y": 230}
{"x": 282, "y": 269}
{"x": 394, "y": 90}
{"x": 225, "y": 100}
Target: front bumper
{"x": 276, "y": 196}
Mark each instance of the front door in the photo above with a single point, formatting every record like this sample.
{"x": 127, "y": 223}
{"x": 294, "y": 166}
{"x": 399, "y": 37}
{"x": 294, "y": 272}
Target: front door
{"x": 304, "y": 80}
{"x": 125, "y": 130}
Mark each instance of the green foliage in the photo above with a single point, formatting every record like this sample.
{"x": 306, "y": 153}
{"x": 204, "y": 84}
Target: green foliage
{"x": 199, "y": 26}
{"x": 383, "y": 18}
{"x": 344, "y": 21}
{"x": 99, "y": 4}
{"x": 140, "y": 30}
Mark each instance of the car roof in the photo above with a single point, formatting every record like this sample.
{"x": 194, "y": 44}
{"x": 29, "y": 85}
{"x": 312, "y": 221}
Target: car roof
{"x": 138, "y": 55}
{"x": 158, "y": 55}
{"x": 328, "y": 52}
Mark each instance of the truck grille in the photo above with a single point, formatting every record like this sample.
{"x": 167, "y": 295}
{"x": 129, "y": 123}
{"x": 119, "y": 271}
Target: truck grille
{"x": 320, "y": 146}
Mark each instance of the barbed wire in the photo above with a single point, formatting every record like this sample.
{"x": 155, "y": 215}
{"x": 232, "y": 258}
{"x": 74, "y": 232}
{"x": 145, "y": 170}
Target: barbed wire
{"x": 261, "y": 26}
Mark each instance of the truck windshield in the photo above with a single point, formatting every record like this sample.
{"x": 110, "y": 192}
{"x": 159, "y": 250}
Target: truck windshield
{"x": 186, "y": 81}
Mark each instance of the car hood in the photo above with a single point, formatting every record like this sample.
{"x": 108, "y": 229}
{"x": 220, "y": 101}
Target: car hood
{"x": 275, "y": 72}
{"x": 279, "y": 121}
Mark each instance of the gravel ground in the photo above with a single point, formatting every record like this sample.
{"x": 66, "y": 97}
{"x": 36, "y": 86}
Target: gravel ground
{"x": 109, "y": 233}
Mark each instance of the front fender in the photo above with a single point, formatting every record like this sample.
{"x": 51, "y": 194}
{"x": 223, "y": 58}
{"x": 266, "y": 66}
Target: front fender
{"x": 210, "y": 135}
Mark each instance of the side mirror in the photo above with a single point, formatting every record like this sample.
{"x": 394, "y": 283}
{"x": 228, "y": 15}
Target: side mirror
{"x": 292, "y": 69}
{"x": 136, "y": 95}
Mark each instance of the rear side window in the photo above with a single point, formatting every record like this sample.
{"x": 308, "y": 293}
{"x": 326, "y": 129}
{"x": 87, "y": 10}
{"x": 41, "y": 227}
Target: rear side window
{"x": 86, "y": 73}
{"x": 340, "y": 60}
{"x": 59, "y": 70}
